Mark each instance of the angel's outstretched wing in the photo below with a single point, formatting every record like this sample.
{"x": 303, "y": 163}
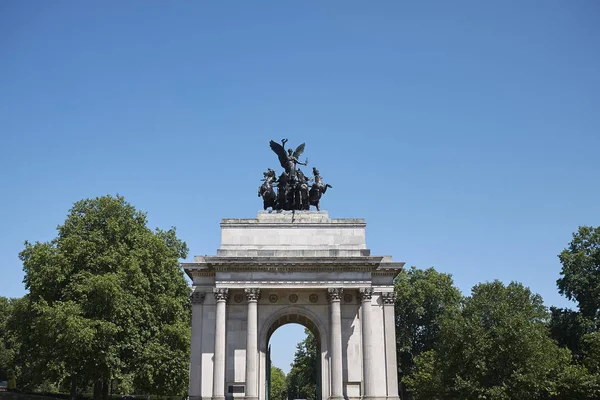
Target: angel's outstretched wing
{"x": 280, "y": 151}
{"x": 299, "y": 151}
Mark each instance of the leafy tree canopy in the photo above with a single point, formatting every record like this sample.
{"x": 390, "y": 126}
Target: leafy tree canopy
{"x": 497, "y": 347}
{"x": 278, "y": 386}
{"x": 422, "y": 298}
{"x": 107, "y": 299}
{"x": 580, "y": 282}
{"x": 568, "y": 328}
{"x": 8, "y": 341}
{"x": 580, "y": 274}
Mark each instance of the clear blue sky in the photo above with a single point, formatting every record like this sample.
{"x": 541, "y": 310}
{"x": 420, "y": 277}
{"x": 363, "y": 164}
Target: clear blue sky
{"x": 467, "y": 134}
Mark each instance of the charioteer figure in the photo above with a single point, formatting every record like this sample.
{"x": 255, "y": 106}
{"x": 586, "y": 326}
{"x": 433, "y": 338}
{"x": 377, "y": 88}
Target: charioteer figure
{"x": 290, "y": 160}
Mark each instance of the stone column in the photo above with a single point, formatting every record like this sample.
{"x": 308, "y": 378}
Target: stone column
{"x": 337, "y": 390}
{"x": 365, "y": 295}
{"x": 197, "y": 299}
{"x": 221, "y": 296}
{"x": 389, "y": 299}
{"x": 252, "y": 296}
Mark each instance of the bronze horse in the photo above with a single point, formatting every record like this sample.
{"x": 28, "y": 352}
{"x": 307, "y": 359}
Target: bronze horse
{"x": 266, "y": 190}
{"x": 317, "y": 189}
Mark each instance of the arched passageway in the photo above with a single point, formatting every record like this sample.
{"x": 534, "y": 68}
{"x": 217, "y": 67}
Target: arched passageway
{"x": 307, "y": 319}
{"x": 295, "y": 364}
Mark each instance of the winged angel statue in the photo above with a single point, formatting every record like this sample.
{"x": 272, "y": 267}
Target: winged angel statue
{"x": 292, "y": 186}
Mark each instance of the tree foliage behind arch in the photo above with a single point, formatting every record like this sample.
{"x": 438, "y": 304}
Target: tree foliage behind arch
{"x": 301, "y": 382}
{"x": 107, "y": 300}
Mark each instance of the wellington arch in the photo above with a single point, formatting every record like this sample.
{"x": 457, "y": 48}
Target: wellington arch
{"x": 293, "y": 266}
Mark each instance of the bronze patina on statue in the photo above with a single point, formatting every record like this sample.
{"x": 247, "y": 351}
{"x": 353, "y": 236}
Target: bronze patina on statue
{"x": 294, "y": 191}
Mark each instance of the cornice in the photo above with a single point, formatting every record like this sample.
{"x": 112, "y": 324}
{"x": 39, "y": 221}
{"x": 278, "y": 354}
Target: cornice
{"x": 237, "y": 284}
{"x": 214, "y": 261}
{"x": 294, "y": 268}
{"x": 293, "y": 225}
{"x": 195, "y": 273}
{"x": 210, "y": 266}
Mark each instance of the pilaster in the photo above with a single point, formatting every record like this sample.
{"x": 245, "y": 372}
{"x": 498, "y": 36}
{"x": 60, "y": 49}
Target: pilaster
{"x": 195, "y": 389}
{"x": 389, "y": 300}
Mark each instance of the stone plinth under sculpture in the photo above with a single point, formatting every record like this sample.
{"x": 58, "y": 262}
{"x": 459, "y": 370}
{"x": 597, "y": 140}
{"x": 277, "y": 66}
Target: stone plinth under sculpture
{"x": 285, "y": 267}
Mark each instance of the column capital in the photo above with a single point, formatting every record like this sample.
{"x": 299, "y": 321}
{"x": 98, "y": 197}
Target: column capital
{"x": 388, "y": 297}
{"x": 365, "y": 294}
{"x": 221, "y": 294}
{"x": 334, "y": 294}
{"x": 252, "y": 294}
{"x": 197, "y": 297}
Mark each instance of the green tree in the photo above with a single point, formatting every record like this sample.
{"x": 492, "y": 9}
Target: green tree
{"x": 6, "y": 352}
{"x": 498, "y": 347}
{"x": 580, "y": 282}
{"x": 422, "y": 298}
{"x": 591, "y": 352}
{"x": 580, "y": 274}
{"x": 278, "y": 386}
{"x": 10, "y": 343}
{"x": 301, "y": 382}
{"x": 107, "y": 298}
{"x": 568, "y": 328}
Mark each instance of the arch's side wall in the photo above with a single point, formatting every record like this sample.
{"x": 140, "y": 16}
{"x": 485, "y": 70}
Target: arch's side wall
{"x": 235, "y": 366}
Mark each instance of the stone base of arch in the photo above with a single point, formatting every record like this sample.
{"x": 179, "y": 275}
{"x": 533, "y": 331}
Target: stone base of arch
{"x": 293, "y": 267}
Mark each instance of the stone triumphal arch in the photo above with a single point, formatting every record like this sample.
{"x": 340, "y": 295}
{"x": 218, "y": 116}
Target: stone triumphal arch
{"x": 293, "y": 266}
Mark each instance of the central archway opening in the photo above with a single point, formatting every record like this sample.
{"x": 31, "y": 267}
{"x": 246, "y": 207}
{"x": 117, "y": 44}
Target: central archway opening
{"x": 294, "y": 359}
